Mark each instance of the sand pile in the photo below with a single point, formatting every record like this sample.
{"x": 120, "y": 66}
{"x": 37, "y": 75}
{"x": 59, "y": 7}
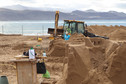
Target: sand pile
{"x": 8, "y": 69}
{"x": 75, "y": 71}
{"x": 82, "y": 66}
{"x": 101, "y": 30}
{"x": 113, "y": 32}
{"x": 83, "y": 60}
{"x": 57, "y": 48}
{"x": 119, "y": 34}
{"x": 76, "y": 39}
{"x": 100, "y": 64}
{"x": 58, "y": 45}
{"x": 97, "y": 56}
{"x": 21, "y": 47}
{"x": 110, "y": 47}
{"x": 88, "y": 42}
{"x": 117, "y": 65}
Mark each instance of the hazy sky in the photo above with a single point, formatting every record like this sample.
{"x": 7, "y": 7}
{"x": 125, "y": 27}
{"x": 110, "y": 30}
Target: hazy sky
{"x": 70, "y": 5}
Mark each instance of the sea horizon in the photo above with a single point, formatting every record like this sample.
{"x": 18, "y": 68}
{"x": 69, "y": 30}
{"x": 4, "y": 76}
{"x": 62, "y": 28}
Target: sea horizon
{"x": 41, "y": 27}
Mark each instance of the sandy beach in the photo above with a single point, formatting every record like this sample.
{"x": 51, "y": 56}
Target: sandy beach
{"x": 77, "y": 61}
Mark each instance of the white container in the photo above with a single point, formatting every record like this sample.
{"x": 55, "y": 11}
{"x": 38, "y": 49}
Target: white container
{"x": 44, "y": 55}
{"x": 31, "y": 54}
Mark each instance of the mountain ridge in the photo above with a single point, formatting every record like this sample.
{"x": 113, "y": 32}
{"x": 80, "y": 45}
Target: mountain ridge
{"x": 14, "y": 15}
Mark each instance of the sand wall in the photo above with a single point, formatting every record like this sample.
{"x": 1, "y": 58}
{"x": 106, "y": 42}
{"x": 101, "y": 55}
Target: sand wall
{"x": 103, "y": 63}
{"x": 117, "y": 69}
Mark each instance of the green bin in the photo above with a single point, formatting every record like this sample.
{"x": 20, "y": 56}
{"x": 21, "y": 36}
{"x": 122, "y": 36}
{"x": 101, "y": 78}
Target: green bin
{"x": 3, "y": 80}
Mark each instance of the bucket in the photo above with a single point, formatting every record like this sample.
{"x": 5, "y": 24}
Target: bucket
{"x": 3, "y": 80}
{"x": 39, "y": 39}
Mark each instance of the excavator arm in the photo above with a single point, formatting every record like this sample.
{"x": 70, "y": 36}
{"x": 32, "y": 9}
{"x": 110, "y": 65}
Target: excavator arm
{"x": 55, "y": 31}
{"x": 56, "y": 22}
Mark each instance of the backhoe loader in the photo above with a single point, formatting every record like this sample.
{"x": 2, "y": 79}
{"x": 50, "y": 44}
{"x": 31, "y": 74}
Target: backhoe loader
{"x": 71, "y": 26}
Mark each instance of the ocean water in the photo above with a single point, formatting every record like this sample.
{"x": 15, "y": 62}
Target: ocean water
{"x": 41, "y": 27}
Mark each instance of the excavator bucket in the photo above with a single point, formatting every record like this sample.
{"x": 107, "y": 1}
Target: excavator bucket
{"x": 51, "y": 31}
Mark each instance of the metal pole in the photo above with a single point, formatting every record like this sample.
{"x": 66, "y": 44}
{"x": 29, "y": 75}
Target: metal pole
{"x": 2, "y": 30}
{"x": 22, "y": 29}
{"x": 37, "y": 36}
{"x": 43, "y": 30}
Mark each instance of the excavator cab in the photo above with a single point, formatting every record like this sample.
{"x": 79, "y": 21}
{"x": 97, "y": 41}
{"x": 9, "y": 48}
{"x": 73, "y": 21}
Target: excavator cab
{"x": 72, "y": 26}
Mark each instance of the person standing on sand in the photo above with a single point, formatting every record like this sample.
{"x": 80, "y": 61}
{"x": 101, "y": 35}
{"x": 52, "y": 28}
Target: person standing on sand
{"x": 66, "y": 36}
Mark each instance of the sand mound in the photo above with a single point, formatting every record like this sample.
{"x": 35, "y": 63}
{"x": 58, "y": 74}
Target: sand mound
{"x": 97, "y": 56}
{"x": 103, "y": 64}
{"x": 113, "y": 32}
{"x": 97, "y": 41}
{"x": 57, "y": 48}
{"x": 76, "y": 39}
{"x": 83, "y": 60}
{"x": 101, "y": 30}
{"x": 117, "y": 68}
{"x": 58, "y": 45}
{"x": 82, "y": 66}
{"x": 21, "y": 46}
{"x": 88, "y": 42}
{"x": 119, "y": 34}
{"x": 110, "y": 48}
{"x": 75, "y": 71}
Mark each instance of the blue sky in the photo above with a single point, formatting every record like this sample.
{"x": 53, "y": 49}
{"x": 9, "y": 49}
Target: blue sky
{"x": 70, "y": 5}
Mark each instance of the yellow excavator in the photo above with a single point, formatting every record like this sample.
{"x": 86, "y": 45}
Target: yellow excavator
{"x": 71, "y": 26}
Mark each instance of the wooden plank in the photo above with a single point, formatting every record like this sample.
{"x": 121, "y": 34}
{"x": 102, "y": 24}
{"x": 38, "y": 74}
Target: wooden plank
{"x": 24, "y": 57}
{"x": 21, "y": 56}
{"x": 34, "y": 73}
{"x": 25, "y": 73}
{"x": 23, "y": 60}
{"x": 17, "y": 72}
